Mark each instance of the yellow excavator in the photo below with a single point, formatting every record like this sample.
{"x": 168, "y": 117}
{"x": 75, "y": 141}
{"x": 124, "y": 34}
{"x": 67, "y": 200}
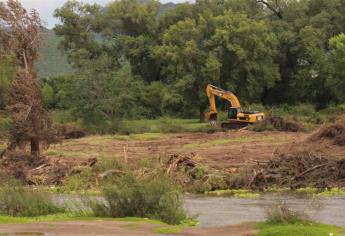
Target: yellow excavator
{"x": 237, "y": 118}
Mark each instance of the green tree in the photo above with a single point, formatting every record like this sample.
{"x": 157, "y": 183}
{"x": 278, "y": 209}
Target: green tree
{"x": 229, "y": 49}
{"x": 7, "y": 70}
{"x": 337, "y": 60}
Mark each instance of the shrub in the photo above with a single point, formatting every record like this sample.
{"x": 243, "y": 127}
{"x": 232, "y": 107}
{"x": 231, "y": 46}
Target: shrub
{"x": 155, "y": 198}
{"x": 87, "y": 178}
{"x": 17, "y": 201}
{"x": 280, "y": 212}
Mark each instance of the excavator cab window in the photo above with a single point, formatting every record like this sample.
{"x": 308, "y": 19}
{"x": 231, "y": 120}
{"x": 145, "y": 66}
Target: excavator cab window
{"x": 232, "y": 113}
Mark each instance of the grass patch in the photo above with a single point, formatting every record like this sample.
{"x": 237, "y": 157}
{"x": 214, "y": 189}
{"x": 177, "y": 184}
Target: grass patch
{"x": 72, "y": 217}
{"x": 168, "y": 230}
{"x": 307, "y": 190}
{"x": 140, "y": 137}
{"x": 332, "y": 192}
{"x": 326, "y": 193}
{"x": 226, "y": 141}
{"x": 297, "y": 229}
{"x": 240, "y": 193}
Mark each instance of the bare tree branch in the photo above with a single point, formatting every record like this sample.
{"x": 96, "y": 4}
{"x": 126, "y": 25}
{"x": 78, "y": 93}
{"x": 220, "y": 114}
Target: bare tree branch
{"x": 276, "y": 11}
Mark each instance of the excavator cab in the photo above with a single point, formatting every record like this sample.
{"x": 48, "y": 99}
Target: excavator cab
{"x": 232, "y": 112}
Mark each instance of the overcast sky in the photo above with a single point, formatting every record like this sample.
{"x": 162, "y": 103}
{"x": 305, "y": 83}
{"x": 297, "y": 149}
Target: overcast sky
{"x": 47, "y": 7}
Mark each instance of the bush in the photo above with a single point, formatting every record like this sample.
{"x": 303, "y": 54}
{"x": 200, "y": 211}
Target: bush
{"x": 155, "y": 198}
{"x": 281, "y": 213}
{"x": 17, "y": 201}
{"x": 86, "y": 179}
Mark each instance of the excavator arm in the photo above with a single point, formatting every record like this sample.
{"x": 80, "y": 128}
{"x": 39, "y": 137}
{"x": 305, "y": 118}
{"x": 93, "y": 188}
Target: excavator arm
{"x": 213, "y": 91}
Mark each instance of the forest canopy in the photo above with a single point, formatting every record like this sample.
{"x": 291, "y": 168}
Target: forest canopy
{"x": 135, "y": 59}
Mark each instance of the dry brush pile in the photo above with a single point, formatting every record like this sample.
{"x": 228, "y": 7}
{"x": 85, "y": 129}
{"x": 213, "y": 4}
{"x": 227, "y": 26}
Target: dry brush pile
{"x": 297, "y": 171}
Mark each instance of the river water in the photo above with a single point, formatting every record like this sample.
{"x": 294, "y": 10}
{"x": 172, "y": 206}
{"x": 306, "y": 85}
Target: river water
{"x": 220, "y": 211}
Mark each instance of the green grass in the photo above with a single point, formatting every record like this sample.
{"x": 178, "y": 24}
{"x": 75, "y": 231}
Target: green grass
{"x": 140, "y": 137}
{"x": 168, "y": 230}
{"x": 298, "y": 229}
{"x": 326, "y": 193}
{"x": 239, "y": 193}
{"x": 332, "y": 192}
{"x": 226, "y": 141}
{"x": 162, "y": 125}
{"x": 71, "y": 217}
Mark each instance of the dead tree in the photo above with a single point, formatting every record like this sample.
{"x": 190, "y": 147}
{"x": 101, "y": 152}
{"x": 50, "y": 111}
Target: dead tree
{"x": 272, "y": 6}
{"x": 20, "y": 38}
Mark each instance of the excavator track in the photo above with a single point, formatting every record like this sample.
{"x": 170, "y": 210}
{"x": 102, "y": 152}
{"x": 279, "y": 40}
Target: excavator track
{"x": 234, "y": 125}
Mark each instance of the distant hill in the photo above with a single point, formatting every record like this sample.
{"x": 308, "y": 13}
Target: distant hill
{"x": 165, "y": 7}
{"x": 51, "y": 60}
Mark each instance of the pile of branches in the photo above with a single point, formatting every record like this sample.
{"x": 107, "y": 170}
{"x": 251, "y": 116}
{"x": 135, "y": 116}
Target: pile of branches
{"x": 297, "y": 171}
{"x": 334, "y": 132}
{"x": 182, "y": 168}
{"x": 178, "y": 162}
{"x": 39, "y": 170}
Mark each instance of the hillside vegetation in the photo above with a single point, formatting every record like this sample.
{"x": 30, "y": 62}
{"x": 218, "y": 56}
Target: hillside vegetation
{"x": 137, "y": 60}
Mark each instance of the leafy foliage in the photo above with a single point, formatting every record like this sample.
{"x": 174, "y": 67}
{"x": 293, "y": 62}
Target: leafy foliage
{"x": 137, "y": 59}
{"x": 17, "y": 201}
{"x": 155, "y": 198}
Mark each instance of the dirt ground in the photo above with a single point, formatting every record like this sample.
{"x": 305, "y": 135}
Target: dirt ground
{"x": 221, "y": 150}
{"x": 105, "y": 228}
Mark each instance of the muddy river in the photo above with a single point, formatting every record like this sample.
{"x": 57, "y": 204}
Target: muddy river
{"x": 219, "y": 211}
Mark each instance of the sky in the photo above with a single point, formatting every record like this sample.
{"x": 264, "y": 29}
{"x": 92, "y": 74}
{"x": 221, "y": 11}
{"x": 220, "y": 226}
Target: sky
{"x": 46, "y": 7}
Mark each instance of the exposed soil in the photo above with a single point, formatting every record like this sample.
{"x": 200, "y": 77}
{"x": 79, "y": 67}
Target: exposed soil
{"x": 105, "y": 228}
{"x": 222, "y": 150}
{"x": 228, "y": 152}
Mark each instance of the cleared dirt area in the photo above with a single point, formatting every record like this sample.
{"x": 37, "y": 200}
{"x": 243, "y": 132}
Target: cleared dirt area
{"x": 222, "y": 150}
{"x": 218, "y": 153}
{"x": 105, "y": 228}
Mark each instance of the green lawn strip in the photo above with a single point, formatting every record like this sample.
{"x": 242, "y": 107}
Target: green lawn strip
{"x": 133, "y": 222}
{"x": 298, "y": 229}
{"x": 70, "y": 217}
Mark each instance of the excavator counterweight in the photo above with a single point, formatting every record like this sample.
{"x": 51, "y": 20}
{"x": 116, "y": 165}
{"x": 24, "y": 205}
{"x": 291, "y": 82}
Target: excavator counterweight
{"x": 237, "y": 118}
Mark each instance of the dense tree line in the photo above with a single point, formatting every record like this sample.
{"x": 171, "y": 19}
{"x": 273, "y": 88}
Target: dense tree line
{"x": 133, "y": 61}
